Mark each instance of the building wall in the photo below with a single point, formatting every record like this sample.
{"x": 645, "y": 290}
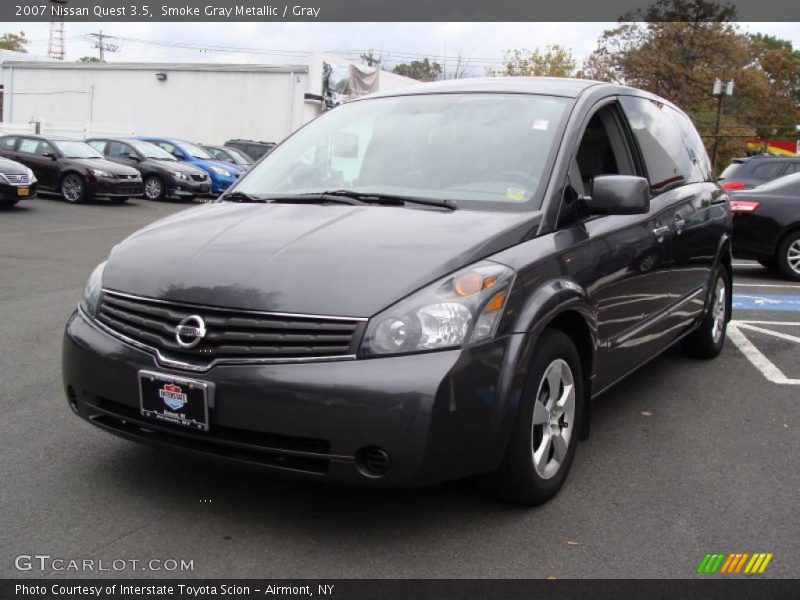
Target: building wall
{"x": 205, "y": 103}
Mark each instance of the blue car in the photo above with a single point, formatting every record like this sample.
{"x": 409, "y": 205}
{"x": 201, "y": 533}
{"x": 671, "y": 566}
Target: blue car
{"x": 222, "y": 174}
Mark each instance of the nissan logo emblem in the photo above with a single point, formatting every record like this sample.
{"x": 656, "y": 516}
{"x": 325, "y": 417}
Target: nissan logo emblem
{"x": 190, "y": 331}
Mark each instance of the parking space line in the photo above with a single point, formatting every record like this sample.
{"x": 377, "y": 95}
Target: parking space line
{"x": 767, "y": 285}
{"x": 777, "y": 334}
{"x": 757, "y": 358}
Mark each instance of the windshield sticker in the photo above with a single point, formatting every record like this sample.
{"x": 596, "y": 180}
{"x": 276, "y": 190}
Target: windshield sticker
{"x": 516, "y": 194}
{"x": 541, "y": 124}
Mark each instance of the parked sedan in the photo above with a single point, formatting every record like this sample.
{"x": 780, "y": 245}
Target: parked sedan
{"x": 440, "y": 295}
{"x": 230, "y": 155}
{"x": 751, "y": 171}
{"x": 17, "y": 182}
{"x": 222, "y": 174}
{"x": 163, "y": 175}
{"x": 766, "y": 226}
{"x": 72, "y": 168}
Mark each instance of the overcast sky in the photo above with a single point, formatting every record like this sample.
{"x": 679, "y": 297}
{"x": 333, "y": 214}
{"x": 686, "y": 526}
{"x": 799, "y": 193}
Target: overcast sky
{"x": 483, "y": 43}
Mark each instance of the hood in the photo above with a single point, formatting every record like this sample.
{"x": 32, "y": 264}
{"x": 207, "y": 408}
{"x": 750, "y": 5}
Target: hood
{"x": 176, "y": 165}
{"x": 311, "y": 259}
{"x": 12, "y": 167}
{"x": 105, "y": 165}
{"x": 207, "y": 164}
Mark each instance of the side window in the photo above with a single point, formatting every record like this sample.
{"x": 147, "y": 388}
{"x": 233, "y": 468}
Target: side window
{"x": 8, "y": 143}
{"x": 667, "y": 159}
{"x": 793, "y": 168}
{"x": 117, "y": 150}
{"x": 697, "y": 150}
{"x": 29, "y": 146}
{"x": 98, "y": 145}
{"x": 170, "y": 148}
{"x": 769, "y": 170}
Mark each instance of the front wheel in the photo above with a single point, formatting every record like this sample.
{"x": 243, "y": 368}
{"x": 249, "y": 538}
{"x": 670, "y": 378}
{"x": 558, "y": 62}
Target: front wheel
{"x": 788, "y": 257}
{"x": 547, "y": 427}
{"x": 73, "y": 190}
{"x": 153, "y": 188}
{"x": 707, "y": 340}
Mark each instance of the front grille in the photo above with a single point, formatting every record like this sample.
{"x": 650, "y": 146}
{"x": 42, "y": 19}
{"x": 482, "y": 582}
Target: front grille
{"x": 199, "y": 177}
{"x": 231, "y": 335}
{"x": 23, "y": 179}
{"x": 128, "y": 176}
{"x": 128, "y": 188}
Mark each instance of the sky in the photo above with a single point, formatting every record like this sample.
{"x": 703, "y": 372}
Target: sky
{"x": 288, "y": 43}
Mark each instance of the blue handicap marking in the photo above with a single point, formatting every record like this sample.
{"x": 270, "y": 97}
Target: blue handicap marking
{"x": 767, "y": 302}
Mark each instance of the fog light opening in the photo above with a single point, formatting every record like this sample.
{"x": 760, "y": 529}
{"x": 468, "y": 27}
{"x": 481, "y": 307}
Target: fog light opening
{"x": 373, "y": 461}
{"x": 72, "y": 398}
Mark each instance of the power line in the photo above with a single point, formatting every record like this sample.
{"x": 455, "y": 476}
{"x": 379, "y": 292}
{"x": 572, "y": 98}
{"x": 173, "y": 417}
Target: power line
{"x": 103, "y": 46}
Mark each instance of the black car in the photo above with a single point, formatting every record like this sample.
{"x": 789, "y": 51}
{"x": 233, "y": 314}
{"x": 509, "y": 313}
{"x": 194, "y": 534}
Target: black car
{"x": 751, "y": 171}
{"x": 251, "y": 148}
{"x": 766, "y": 225}
{"x": 163, "y": 175}
{"x": 416, "y": 287}
{"x": 72, "y": 168}
{"x": 17, "y": 182}
{"x": 229, "y": 155}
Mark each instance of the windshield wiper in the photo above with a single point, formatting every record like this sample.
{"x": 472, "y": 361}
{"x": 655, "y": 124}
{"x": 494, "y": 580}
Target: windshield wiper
{"x": 243, "y": 197}
{"x": 391, "y": 199}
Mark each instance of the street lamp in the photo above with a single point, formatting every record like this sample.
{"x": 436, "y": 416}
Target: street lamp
{"x": 719, "y": 93}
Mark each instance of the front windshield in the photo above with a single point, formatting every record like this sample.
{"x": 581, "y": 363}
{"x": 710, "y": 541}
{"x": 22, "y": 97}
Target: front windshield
{"x": 76, "y": 149}
{"x": 149, "y": 150}
{"x": 238, "y": 157}
{"x": 487, "y": 148}
{"x": 195, "y": 151}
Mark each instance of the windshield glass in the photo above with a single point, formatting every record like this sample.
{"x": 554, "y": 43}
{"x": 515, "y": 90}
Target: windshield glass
{"x": 149, "y": 150}
{"x": 195, "y": 151}
{"x": 238, "y": 157}
{"x": 76, "y": 149}
{"x": 490, "y": 149}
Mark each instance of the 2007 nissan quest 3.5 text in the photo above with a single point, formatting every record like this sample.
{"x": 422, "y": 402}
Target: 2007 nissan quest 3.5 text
{"x": 417, "y": 286}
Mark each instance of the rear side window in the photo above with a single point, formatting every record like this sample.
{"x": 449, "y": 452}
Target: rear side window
{"x": 730, "y": 170}
{"x": 769, "y": 170}
{"x": 661, "y": 139}
{"x": 8, "y": 143}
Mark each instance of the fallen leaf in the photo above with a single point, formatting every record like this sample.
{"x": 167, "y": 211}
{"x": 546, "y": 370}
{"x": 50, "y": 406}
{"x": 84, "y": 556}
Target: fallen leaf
{"x": 552, "y": 577}
{"x": 647, "y": 413}
{"x": 572, "y": 543}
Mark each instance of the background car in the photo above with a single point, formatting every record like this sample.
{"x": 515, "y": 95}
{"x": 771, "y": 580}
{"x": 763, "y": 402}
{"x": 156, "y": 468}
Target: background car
{"x": 751, "y": 171}
{"x": 163, "y": 175}
{"x": 766, "y": 225}
{"x": 253, "y": 149}
{"x": 72, "y": 168}
{"x": 230, "y": 155}
{"x": 16, "y": 182}
{"x": 222, "y": 174}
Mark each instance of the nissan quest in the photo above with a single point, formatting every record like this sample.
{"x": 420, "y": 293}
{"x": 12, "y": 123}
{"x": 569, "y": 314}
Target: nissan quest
{"x": 417, "y": 286}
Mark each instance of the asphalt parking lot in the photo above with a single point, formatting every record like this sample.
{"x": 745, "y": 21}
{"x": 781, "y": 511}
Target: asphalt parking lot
{"x": 686, "y": 457}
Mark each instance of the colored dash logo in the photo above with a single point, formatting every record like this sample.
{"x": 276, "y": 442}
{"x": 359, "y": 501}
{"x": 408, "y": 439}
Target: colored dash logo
{"x": 735, "y": 563}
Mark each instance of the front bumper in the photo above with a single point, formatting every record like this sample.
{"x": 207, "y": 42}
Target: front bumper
{"x": 187, "y": 188}
{"x": 115, "y": 188}
{"x": 438, "y": 415}
{"x": 11, "y": 192}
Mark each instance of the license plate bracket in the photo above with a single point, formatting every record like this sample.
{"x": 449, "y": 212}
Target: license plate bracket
{"x": 177, "y": 400}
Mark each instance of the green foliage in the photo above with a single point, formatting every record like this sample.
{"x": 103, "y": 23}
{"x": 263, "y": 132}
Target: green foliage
{"x": 421, "y": 70}
{"x": 89, "y": 59}
{"x": 13, "y": 41}
{"x": 553, "y": 61}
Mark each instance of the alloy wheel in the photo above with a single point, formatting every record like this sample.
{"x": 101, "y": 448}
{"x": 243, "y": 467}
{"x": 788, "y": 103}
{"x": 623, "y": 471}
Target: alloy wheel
{"x": 152, "y": 189}
{"x": 71, "y": 188}
{"x": 719, "y": 310}
{"x": 793, "y": 256}
{"x": 553, "y": 418}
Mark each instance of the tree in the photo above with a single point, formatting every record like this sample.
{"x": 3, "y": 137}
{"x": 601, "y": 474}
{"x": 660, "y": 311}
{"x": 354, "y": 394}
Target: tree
{"x": 553, "y": 61}
{"x": 13, "y": 41}
{"x": 421, "y": 70}
{"x": 677, "y": 48}
{"x": 89, "y": 59}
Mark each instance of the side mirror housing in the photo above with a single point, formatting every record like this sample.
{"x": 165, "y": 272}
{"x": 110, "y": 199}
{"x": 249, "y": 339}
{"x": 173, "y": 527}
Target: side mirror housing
{"x": 49, "y": 155}
{"x": 133, "y": 156}
{"x": 618, "y": 195}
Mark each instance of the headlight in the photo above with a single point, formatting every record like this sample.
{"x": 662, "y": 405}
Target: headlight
{"x": 101, "y": 173}
{"x": 91, "y": 293}
{"x": 179, "y": 175}
{"x": 31, "y": 176}
{"x": 460, "y": 309}
{"x": 221, "y": 171}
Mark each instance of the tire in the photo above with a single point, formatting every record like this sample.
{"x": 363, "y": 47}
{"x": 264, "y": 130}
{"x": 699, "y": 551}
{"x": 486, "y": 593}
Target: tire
{"x": 768, "y": 264}
{"x": 154, "y": 188}
{"x": 788, "y": 257}
{"x": 523, "y": 477}
{"x": 73, "y": 188}
{"x": 708, "y": 339}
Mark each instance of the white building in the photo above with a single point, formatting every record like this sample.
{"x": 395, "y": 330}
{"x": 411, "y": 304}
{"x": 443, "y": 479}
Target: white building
{"x": 208, "y": 103}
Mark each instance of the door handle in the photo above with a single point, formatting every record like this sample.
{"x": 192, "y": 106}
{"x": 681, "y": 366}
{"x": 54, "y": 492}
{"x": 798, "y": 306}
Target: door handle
{"x": 660, "y": 232}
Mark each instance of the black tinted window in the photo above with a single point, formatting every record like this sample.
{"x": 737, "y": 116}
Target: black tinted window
{"x": 697, "y": 150}
{"x": 769, "y": 170}
{"x": 730, "y": 170}
{"x": 662, "y": 141}
{"x": 8, "y": 143}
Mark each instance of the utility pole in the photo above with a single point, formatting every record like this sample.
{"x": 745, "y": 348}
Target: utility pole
{"x": 719, "y": 93}
{"x": 103, "y": 46}
{"x": 370, "y": 59}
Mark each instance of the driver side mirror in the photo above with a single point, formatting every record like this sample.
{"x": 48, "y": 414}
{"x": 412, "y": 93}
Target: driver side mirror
{"x": 133, "y": 156}
{"x": 49, "y": 155}
{"x": 618, "y": 195}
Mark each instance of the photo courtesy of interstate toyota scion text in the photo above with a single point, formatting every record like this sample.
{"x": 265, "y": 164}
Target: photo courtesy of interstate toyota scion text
{"x": 418, "y": 286}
